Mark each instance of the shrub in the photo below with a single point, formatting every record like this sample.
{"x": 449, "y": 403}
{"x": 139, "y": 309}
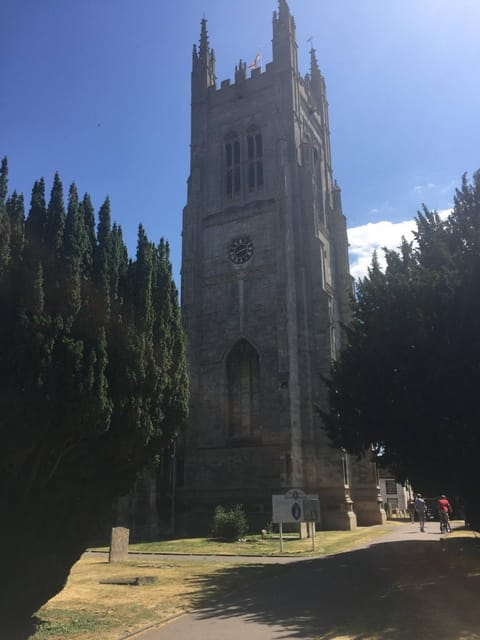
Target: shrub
{"x": 229, "y": 524}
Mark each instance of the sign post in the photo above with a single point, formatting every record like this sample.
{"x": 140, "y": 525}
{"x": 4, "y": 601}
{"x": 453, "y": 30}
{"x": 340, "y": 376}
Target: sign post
{"x": 311, "y": 514}
{"x": 295, "y": 506}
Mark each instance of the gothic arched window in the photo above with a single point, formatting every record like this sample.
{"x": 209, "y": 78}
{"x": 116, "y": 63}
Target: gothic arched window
{"x": 243, "y": 379}
{"x": 232, "y": 166}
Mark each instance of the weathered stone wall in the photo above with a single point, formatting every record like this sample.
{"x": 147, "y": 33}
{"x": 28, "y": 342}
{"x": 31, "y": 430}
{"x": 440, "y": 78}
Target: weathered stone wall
{"x": 287, "y": 300}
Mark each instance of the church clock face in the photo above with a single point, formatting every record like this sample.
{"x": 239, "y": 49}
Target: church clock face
{"x": 240, "y": 250}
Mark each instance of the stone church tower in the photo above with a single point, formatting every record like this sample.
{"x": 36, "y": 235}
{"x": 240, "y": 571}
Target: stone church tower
{"x": 265, "y": 288}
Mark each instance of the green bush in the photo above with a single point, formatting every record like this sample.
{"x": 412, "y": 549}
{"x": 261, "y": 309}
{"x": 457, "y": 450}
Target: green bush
{"x": 229, "y": 524}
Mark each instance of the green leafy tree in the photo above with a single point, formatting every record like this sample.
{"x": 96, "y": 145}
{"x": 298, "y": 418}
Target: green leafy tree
{"x": 407, "y": 381}
{"x": 90, "y": 373}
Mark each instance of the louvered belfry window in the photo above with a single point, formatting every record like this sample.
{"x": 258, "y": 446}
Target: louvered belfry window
{"x": 255, "y": 161}
{"x": 232, "y": 167}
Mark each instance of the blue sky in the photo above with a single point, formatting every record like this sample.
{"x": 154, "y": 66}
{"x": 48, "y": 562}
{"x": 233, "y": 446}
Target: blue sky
{"x": 100, "y": 91}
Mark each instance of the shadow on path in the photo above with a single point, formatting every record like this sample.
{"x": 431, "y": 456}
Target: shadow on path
{"x": 412, "y": 590}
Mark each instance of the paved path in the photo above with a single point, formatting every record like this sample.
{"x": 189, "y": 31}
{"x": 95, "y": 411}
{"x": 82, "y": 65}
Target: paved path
{"x": 405, "y": 586}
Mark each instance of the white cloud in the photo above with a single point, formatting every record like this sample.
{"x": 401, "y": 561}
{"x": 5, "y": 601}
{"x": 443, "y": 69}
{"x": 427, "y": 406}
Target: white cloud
{"x": 424, "y": 188}
{"x": 364, "y": 240}
{"x": 367, "y": 238}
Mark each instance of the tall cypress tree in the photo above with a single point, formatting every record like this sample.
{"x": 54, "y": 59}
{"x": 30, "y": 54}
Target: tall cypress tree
{"x": 74, "y": 237}
{"x": 170, "y": 337}
{"x": 3, "y": 180}
{"x": 144, "y": 282}
{"x": 88, "y": 377}
{"x": 119, "y": 262}
{"x": 16, "y": 213}
{"x": 74, "y": 248}
{"x": 35, "y": 250}
{"x": 35, "y": 226}
{"x": 103, "y": 253}
{"x": 88, "y": 213}
{"x": 4, "y": 220}
{"x": 55, "y": 224}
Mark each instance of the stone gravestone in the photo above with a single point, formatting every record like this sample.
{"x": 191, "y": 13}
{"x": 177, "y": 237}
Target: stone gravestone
{"x": 119, "y": 544}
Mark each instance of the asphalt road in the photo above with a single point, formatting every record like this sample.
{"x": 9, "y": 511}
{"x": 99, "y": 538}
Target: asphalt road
{"x": 406, "y": 586}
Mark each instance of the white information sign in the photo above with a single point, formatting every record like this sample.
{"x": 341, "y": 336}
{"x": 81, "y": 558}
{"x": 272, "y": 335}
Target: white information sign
{"x": 295, "y": 506}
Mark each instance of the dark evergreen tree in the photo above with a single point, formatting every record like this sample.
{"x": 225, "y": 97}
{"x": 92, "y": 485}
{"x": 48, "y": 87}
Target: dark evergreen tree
{"x": 37, "y": 216}
{"x": 16, "y": 214}
{"x": 3, "y": 180}
{"x": 168, "y": 327}
{"x": 144, "y": 283}
{"x": 35, "y": 294}
{"x": 89, "y": 378}
{"x": 119, "y": 268}
{"x": 35, "y": 252}
{"x": 102, "y": 256}
{"x": 74, "y": 241}
{"x": 90, "y": 239}
{"x": 407, "y": 380}
{"x": 75, "y": 251}
{"x": 4, "y": 220}
{"x": 55, "y": 223}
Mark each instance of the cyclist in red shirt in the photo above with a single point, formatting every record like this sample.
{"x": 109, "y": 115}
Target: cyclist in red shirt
{"x": 444, "y": 510}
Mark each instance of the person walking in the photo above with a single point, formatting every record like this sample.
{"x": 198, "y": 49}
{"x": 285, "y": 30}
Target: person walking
{"x": 411, "y": 510}
{"x": 420, "y": 509}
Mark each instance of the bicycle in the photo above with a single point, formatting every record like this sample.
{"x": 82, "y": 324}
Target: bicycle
{"x": 444, "y": 522}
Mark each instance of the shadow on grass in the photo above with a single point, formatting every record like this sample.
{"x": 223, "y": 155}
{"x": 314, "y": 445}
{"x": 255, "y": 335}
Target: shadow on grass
{"x": 390, "y": 591}
{"x": 19, "y": 631}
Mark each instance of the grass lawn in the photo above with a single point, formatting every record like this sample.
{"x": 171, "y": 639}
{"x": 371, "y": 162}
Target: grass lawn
{"x": 326, "y": 542}
{"x": 89, "y": 610}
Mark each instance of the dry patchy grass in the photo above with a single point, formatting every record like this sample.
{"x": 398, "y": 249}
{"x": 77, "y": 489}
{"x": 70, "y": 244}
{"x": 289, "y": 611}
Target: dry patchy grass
{"x": 88, "y": 610}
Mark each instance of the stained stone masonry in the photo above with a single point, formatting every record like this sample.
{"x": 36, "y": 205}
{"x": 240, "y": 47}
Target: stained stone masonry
{"x": 265, "y": 290}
